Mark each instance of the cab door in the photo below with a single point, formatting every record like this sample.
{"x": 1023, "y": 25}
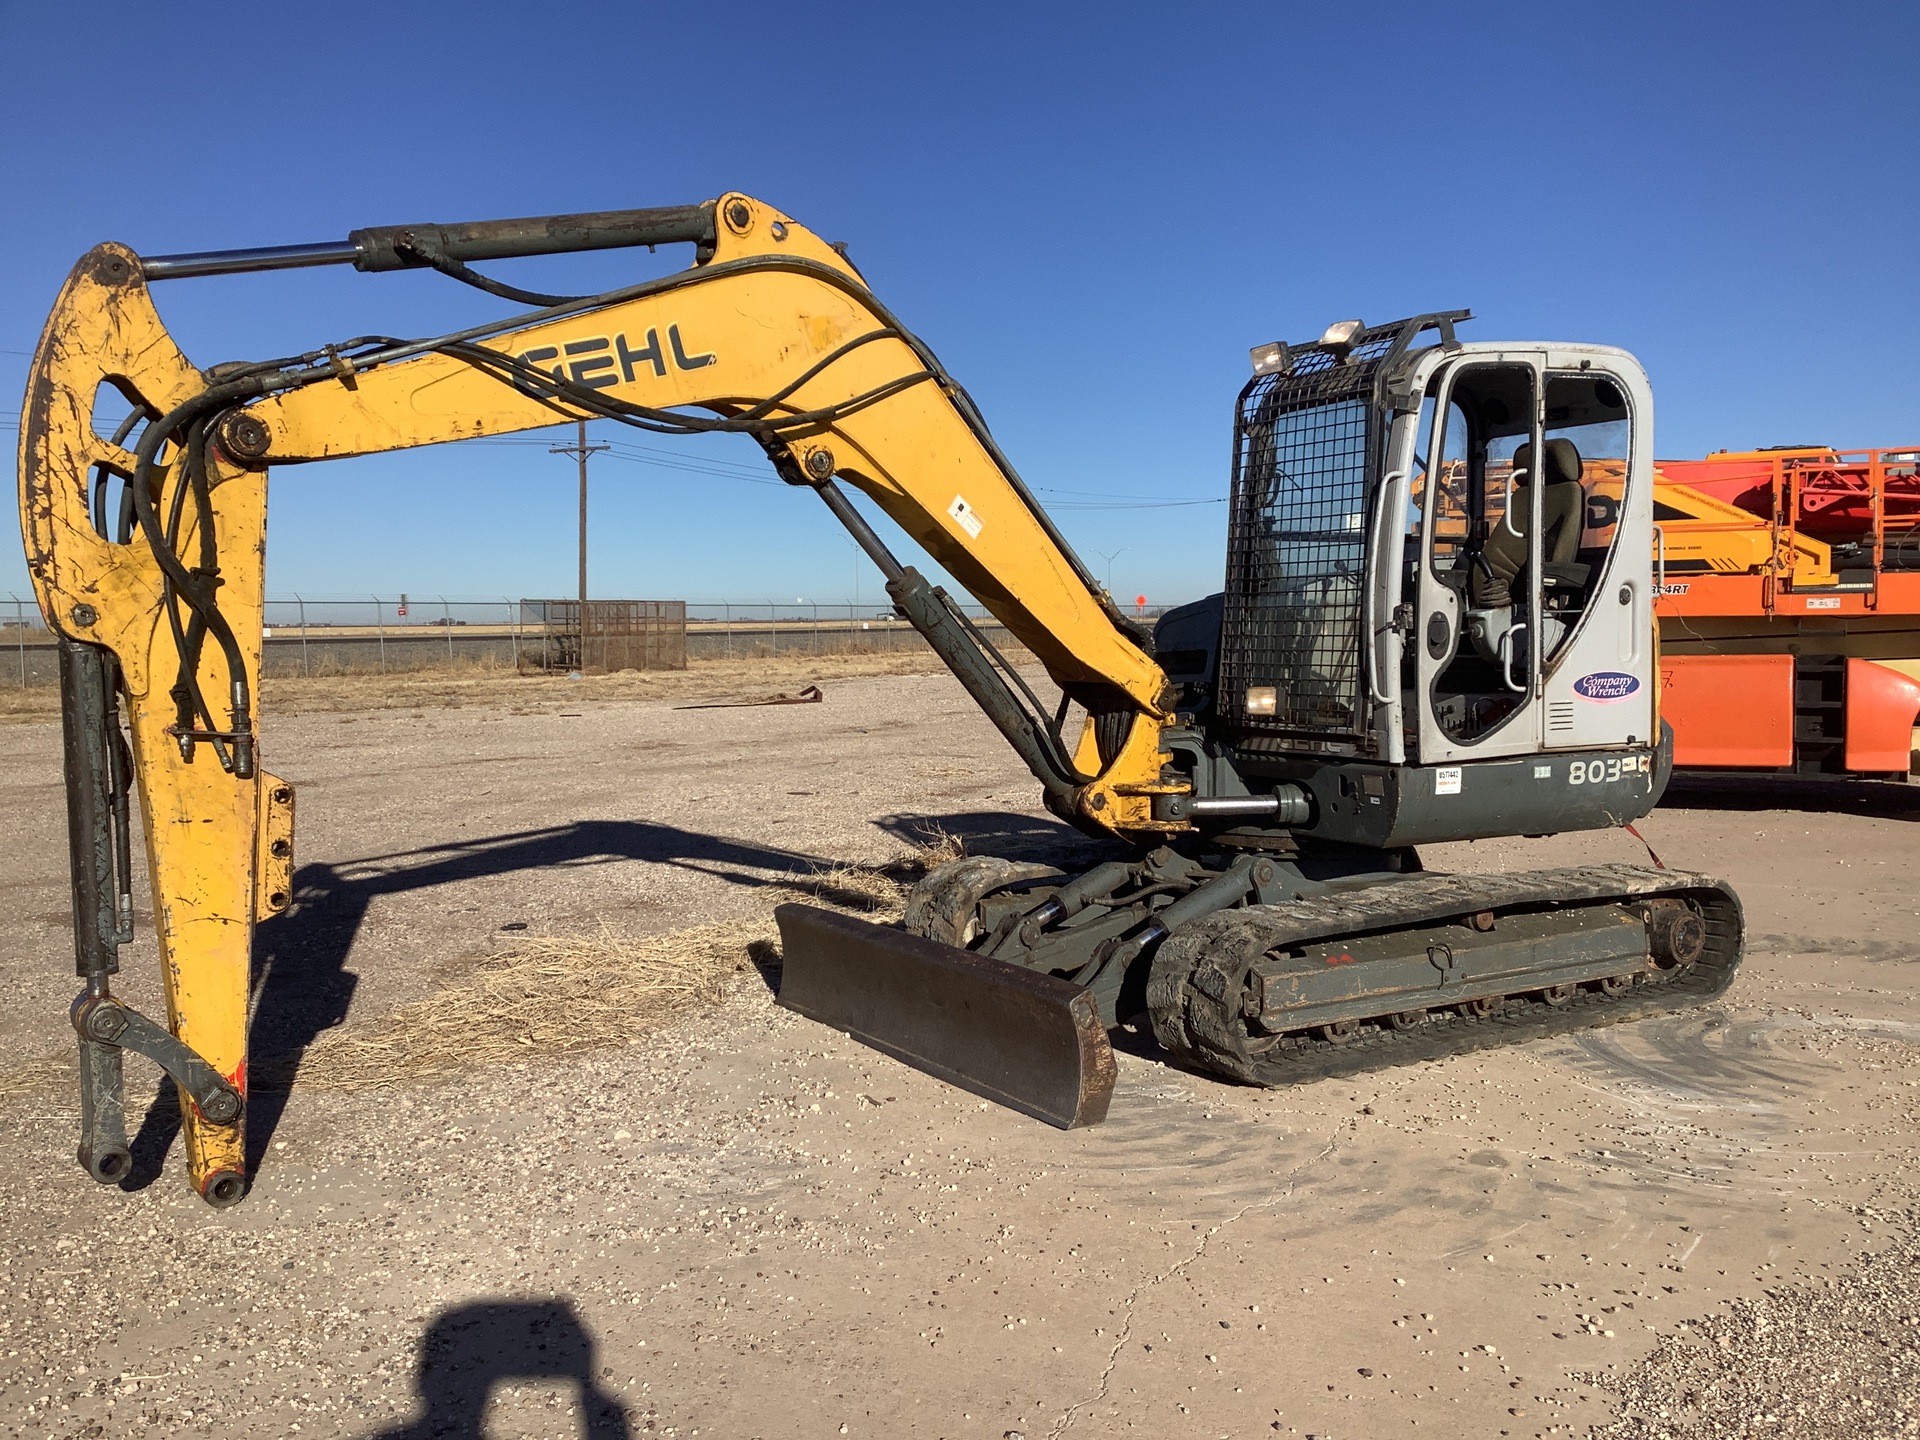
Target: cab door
{"x": 1476, "y": 699}
{"x": 1597, "y": 685}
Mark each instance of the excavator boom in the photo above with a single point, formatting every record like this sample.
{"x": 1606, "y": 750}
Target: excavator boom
{"x": 146, "y": 546}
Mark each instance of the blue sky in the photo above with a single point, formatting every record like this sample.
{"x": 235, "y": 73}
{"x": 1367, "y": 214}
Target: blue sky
{"x": 1091, "y": 212}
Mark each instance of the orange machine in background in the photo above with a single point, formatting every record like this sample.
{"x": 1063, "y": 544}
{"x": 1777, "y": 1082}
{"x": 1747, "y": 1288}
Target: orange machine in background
{"x": 1789, "y": 605}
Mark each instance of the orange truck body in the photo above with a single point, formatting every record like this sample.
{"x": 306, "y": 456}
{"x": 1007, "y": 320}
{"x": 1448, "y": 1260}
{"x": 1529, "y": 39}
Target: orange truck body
{"x": 1789, "y": 610}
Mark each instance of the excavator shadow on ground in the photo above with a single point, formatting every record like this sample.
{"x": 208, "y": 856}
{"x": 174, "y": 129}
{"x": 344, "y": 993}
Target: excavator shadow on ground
{"x": 1005, "y": 833}
{"x": 302, "y": 986}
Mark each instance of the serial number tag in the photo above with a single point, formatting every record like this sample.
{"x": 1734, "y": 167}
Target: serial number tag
{"x": 1602, "y": 772}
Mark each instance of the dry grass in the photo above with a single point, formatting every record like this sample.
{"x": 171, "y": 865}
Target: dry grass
{"x": 452, "y": 686}
{"x": 549, "y": 995}
{"x": 502, "y": 687}
{"x": 546, "y": 995}
{"x": 557, "y": 994}
{"x": 32, "y": 702}
{"x": 37, "y": 1077}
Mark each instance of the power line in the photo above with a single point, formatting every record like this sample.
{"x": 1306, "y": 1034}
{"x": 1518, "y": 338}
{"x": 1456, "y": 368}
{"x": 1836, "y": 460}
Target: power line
{"x": 1072, "y": 500}
{"x": 1135, "y": 504}
{"x": 713, "y": 466}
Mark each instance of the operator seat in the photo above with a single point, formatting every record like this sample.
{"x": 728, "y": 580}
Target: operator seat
{"x": 1494, "y": 587}
{"x": 1504, "y": 555}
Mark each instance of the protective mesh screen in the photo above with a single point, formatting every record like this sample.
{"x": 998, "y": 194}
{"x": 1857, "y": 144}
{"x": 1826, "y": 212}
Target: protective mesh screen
{"x": 1297, "y": 550}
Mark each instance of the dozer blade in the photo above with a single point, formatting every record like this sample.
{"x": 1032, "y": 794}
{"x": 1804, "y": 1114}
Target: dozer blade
{"x": 1032, "y": 1042}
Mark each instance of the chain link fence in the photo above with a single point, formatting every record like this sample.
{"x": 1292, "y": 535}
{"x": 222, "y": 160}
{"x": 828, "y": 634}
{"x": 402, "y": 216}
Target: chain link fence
{"x": 26, "y": 642}
{"x": 336, "y": 635}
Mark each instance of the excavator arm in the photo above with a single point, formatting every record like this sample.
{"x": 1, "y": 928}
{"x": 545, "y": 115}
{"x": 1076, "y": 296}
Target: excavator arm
{"x": 146, "y": 545}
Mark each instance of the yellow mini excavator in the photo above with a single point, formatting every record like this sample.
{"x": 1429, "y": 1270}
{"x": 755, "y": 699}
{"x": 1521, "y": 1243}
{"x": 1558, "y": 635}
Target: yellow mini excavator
{"x": 1402, "y": 654}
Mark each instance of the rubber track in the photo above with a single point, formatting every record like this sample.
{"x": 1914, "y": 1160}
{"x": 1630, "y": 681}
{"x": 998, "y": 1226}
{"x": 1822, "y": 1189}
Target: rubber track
{"x": 945, "y": 903}
{"x": 1199, "y": 974}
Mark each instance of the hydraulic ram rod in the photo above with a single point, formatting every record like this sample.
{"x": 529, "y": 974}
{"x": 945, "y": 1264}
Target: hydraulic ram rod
{"x": 406, "y": 247}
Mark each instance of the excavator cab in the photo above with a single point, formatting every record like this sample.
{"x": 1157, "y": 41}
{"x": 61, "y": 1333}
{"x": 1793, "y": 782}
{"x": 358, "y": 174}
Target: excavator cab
{"x": 1407, "y": 633}
{"x": 1531, "y": 576}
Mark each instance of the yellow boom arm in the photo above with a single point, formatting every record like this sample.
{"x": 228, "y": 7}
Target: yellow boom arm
{"x": 147, "y": 547}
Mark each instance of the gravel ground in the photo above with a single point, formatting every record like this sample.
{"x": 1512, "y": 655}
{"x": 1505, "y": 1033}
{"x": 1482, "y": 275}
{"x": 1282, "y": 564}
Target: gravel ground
{"x": 1839, "y": 1358}
{"x": 744, "y": 1225}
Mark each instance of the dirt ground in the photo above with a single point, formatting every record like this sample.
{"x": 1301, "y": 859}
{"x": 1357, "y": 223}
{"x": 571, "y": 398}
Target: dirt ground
{"x": 742, "y": 1224}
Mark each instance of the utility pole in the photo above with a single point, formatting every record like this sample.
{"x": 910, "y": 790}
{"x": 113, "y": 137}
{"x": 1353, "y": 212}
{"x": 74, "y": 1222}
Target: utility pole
{"x": 581, "y": 449}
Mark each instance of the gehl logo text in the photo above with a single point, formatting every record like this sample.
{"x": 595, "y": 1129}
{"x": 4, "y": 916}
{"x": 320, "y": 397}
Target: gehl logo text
{"x": 603, "y": 361}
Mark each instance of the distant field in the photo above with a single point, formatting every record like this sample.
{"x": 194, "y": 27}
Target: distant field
{"x": 484, "y": 683}
{"x": 27, "y": 656}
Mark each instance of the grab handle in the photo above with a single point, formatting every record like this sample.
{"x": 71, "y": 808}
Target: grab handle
{"x": 1507, "y": 650}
